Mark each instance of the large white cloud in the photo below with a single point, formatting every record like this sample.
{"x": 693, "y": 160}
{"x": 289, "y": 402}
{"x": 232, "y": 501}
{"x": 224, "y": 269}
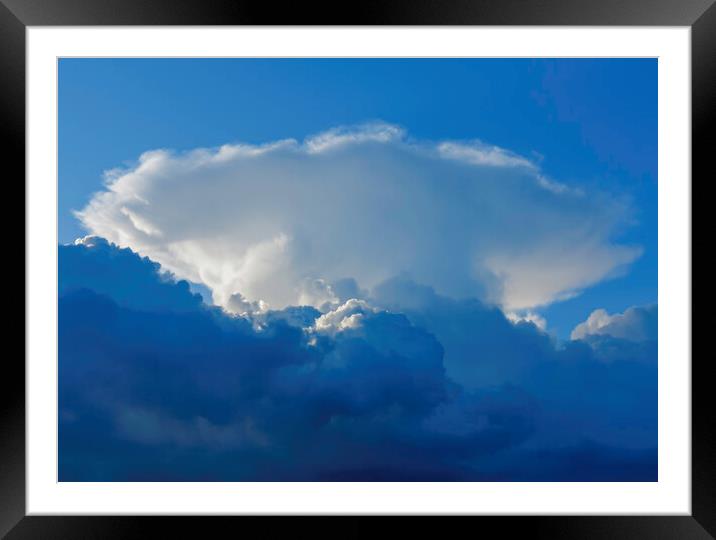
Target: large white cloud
{"x": 270, "y": 222}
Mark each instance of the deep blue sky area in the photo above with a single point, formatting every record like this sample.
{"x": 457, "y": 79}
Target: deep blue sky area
{"x": 590, "y": 123}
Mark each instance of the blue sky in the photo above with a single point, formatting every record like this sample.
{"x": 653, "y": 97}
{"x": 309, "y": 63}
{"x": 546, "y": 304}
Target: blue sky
{"x": 588, "y": 123}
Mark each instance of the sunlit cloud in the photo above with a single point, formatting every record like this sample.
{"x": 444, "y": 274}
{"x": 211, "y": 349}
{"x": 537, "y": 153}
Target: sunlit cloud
{"x": 268, "y": 222}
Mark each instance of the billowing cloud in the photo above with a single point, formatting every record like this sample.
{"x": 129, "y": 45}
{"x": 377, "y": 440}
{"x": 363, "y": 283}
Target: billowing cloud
{"x": 138, "y": 283}
{"x": 635, "y": 324}
{"x": 402, "y": 384}
{"x": 280, "y": 223}
{"x": 528, "y": 316}
{"x": 348, "y": 315}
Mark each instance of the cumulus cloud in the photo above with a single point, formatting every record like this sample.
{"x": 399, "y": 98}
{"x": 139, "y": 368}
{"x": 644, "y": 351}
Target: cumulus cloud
{"x": 635, "y": 324}
{"x": 404, "y": 384}
{"x": 529, "y": 317}
{"x": 239, "y": 305}
{"x": 269, "y": 222}
{"x": 348, "y": 315}
{"x": 138, "y": 283}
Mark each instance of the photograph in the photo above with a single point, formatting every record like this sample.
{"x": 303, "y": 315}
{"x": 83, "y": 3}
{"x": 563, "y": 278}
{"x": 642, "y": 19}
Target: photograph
{"x": 365, "y": 269}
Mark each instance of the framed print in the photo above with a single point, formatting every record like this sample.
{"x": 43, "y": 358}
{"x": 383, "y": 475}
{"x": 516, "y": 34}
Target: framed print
{"x": 427, "y": 260}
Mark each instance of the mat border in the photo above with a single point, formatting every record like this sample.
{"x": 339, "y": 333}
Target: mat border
{"x": 700, "y": 15}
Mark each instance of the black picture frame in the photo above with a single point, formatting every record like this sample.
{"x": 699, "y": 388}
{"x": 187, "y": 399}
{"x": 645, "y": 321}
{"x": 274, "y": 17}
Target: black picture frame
{"x": 700, "y": 15}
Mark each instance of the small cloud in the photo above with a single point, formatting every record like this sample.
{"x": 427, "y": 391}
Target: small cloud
{"x": 344, "y": 317}
{"x": 635, "y": 324}
{"x": 478, "y": 153}
{"x": 529, "y": 317}
{"x": 379, "y": 132}
{"x": 90, "y": 241}
{"x": 238, "y": 305}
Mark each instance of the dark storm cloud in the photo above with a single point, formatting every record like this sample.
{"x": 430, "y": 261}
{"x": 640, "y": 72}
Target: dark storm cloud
{"x": 406, "y": 385}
